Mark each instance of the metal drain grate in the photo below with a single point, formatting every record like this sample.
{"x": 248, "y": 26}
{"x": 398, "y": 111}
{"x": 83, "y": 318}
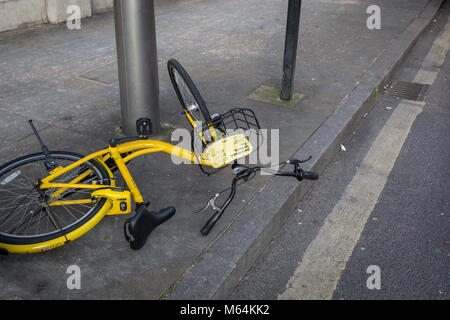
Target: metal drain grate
{"x": 406, "y": 90}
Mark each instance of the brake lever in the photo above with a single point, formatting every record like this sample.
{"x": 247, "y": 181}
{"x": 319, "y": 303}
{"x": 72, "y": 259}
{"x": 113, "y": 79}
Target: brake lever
{"x": 240, "y": 174}
{"x": 296, "y": 162}
{"x": 211, "y": 202}
{"x": 216, "y": 216}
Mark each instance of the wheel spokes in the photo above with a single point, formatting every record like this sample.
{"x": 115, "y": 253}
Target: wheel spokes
{"x": 26, "y": 210}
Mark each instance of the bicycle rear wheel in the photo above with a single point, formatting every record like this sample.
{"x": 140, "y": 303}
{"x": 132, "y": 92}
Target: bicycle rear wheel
{"x": 30, "y": 215}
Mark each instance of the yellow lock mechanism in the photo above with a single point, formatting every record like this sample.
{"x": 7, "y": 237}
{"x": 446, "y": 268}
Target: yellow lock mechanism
{"x": 121, "y": 200}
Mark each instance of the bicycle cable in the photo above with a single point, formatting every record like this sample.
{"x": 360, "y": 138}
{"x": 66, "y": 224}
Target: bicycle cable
{"x": 252, "y": 175}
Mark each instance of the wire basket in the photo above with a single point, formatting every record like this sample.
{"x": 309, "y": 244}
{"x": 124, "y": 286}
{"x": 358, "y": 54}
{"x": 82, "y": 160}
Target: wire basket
{"x": 233, "y": 122}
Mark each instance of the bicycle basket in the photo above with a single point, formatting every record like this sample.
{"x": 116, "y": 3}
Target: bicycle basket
{"x": 227, "y": 137}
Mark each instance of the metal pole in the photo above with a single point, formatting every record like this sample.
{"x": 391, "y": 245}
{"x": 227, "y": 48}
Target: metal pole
{"x": 138, "y": 63}
{"x": 290, "y": 49}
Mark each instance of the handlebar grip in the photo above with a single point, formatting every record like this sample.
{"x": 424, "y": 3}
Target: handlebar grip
{"x": 211, "y": 223}
{"x": 310, "y": 175}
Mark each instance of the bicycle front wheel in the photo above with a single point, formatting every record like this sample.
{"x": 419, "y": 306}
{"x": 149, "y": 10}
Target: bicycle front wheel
{"x": 188, "y": 94}
{"x": 34, "y": 219}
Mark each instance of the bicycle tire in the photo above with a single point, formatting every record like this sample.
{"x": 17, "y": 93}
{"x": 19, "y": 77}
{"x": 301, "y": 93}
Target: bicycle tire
{"x": 38, "y": 240}
{"x": 175, "y": 67}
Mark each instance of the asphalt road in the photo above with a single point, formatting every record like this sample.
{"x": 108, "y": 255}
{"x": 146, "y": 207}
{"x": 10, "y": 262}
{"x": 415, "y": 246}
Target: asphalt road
{"x": 402, "y": 250}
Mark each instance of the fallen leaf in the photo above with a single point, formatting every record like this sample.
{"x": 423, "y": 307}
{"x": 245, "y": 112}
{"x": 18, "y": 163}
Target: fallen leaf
{"x": 317, "y": 223}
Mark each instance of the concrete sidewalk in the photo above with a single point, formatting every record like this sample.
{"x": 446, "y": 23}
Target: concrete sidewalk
{"x": 67, "y": 82}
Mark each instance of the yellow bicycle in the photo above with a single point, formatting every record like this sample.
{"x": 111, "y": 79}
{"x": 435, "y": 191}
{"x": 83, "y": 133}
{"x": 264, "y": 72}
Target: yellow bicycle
{"x": 50, "y": 198}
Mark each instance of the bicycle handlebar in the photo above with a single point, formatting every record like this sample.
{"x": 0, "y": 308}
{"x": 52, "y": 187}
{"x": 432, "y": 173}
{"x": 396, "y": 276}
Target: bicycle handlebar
{"x": 300, "y": 175}
{"x": 244, "y": 174}
{"x": 211, "y": 222}
{"x": 216, "y": 216}
{"x": 309, "y": 175}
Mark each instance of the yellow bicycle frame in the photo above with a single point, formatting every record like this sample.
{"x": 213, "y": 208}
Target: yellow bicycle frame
{"x": 137, "y": 148}
{"x": 133, "y": 149}
{"x": 199, "y": 130}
